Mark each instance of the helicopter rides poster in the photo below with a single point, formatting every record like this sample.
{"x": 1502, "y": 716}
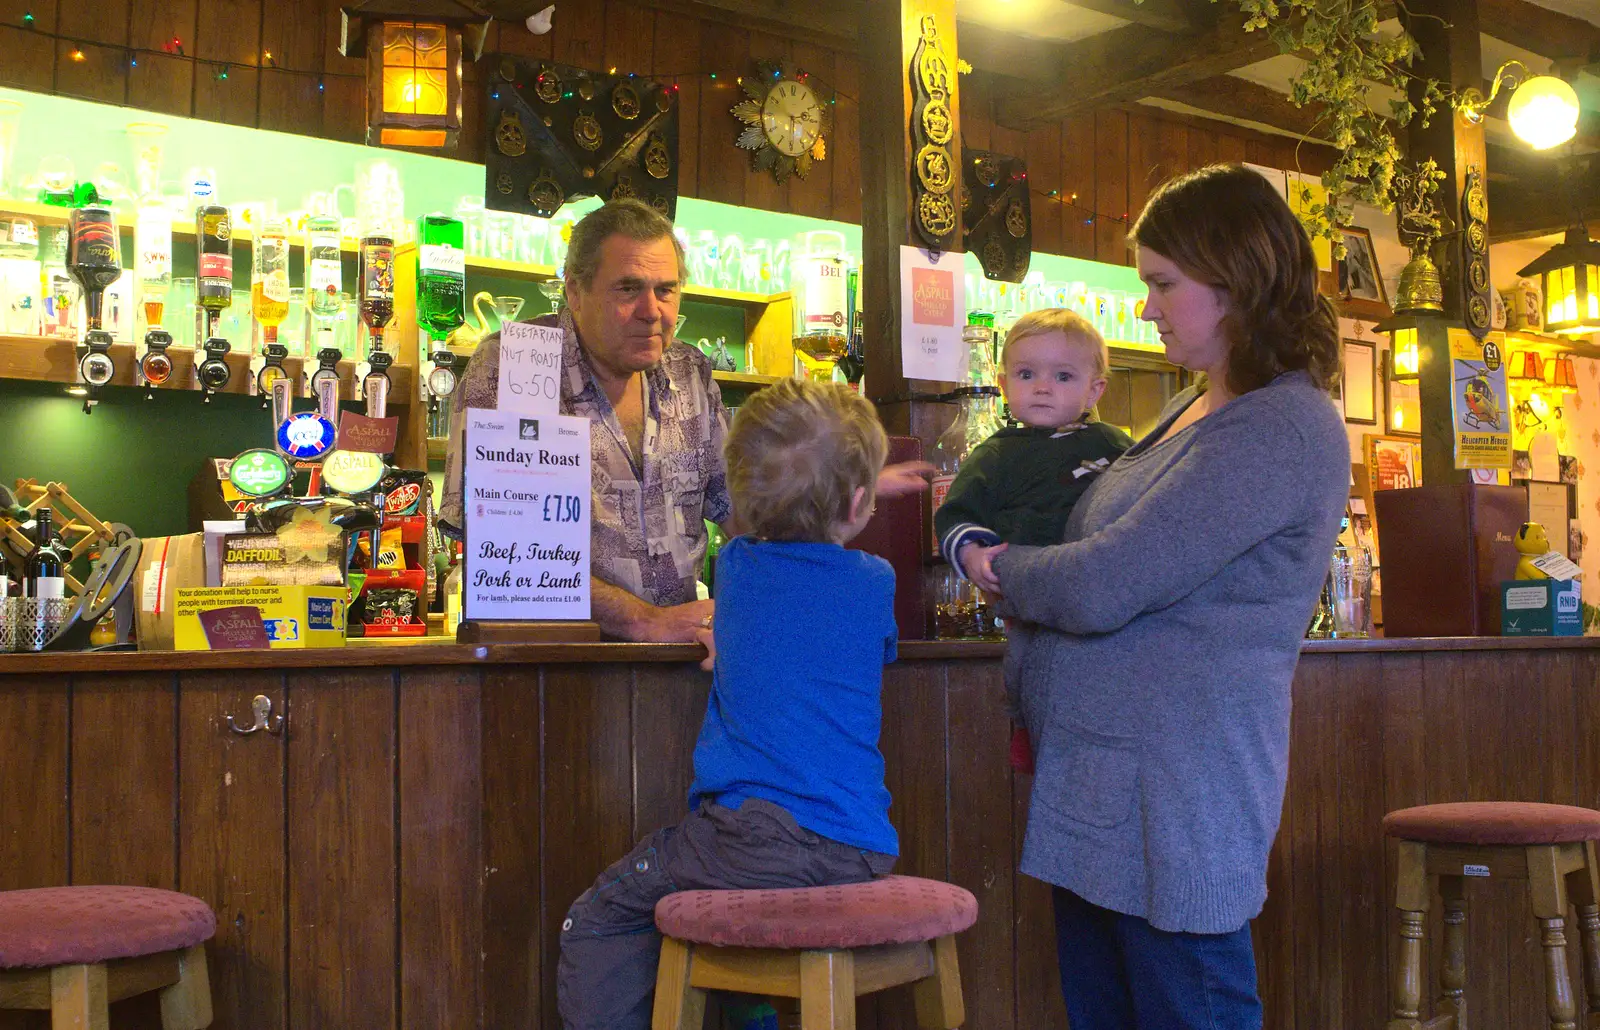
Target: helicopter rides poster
{"x": 1480, "y": 407}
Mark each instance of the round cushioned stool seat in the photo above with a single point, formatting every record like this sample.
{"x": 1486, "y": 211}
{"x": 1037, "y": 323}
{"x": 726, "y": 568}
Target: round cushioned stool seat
{"x": 891, "y": 910}
{"x": 61, "y": 926}
{"x": 1494, "y": 822}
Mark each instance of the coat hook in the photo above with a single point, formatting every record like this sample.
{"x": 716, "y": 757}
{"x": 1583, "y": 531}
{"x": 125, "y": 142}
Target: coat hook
{"x": 261, "y": 708}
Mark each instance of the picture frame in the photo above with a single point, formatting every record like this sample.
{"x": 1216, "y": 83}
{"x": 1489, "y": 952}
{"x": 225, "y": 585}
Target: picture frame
{"x": 1360, "y": 278}
{"x": 1359, "y": 382}
{"x": 1402, "y": 408}
{"x": 1392, "y": 463}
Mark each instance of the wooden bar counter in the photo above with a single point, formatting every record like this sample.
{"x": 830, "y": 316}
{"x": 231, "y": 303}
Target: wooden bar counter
{"x": 403, "y": 853}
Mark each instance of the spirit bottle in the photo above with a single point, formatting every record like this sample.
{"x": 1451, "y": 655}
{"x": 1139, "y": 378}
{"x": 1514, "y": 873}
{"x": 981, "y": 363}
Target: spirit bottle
{"x": 152, "y": 240}
{"x": 269, "y": 279}
{"x": 94, "y": 257}
{"x": 376, "y": 273}
{"x": 214, "y": 267}
{"x": 44, "y": 574}
{"x": 324, "y": 264}
{"x": 441, "y": 276}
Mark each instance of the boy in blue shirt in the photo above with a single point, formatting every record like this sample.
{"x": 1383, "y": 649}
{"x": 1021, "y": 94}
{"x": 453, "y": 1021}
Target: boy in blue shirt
{"x": 788, "y": 788}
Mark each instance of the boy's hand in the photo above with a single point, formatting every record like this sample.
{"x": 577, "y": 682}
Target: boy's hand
{"x": 977, "y": 562}
{"x": 704, "y": 637}
{"x": 908, "y": 477}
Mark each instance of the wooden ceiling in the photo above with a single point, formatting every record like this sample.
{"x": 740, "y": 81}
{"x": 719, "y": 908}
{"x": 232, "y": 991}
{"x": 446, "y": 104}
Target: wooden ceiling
{"x": 1193, "y": 55}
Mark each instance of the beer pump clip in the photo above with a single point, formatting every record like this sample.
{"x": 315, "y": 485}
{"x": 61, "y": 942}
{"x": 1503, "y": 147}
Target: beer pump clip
{"x": 155, "y": 366}
{"x": 95, "y": 367}
{"x": 372, "y": 378}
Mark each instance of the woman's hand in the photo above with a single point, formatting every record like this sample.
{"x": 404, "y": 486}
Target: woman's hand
{"x": 908, "y": 477}
{"x": 977, "y": 562}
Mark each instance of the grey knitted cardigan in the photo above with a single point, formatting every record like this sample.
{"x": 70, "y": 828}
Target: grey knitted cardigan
{"x": 1167, "y": 627}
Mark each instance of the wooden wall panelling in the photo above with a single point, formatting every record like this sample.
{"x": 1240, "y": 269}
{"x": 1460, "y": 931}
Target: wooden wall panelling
{"x": 341, "y": 848}
{"x": 669, "y": 704}
{"x": 1077, "y": 176}
{"x": 344, "y": 100}
{"x": 587, "y": 804}
{"x": 1405, "y": 743}
{"x": 1311, "y": 780}
{"x": 724, "y": 169}
{"x": 441, "y": 854}
{"x": 231, "y": 824}
{"x": 579, "y": 33}
{"x": 471, "y": 142}
{"x": 1043, "y": 153}
{"x": 101, "y": 75}
{"x": 1524, "y": 779}
{"x": 512, "y": 780}
{"x": 1111, "y": 187}
{"x": 228, "y": 30}
{"x": 1202, "y": 147}
{"x": 123, "y": 784}
{"x": 292, "y": 33}
{"x": 845, "y": 158}
{"x": 980, "y": 838}
{"x": 675, "y": 53}
{"x": 977, "y": 113}
{"x": 1230, "y": 147}
{"x": 760, "y": 188}
{"x": 30, "y": 62}
{"x": 627, "y": 44}
{"x": 35, "y": 765}
{"x": 162, "y": 83}
{"x": 1358, "y": 850}
{"x": 813, "y": 195}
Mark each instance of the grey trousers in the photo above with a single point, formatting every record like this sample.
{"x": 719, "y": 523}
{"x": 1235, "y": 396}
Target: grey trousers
{"x": 609, "y": 943}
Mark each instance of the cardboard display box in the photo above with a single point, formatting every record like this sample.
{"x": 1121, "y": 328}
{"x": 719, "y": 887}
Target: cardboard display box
{"x": 1541, "y": 608}
{"x": 292, "y": 616}
{"x": 167, "y": 564}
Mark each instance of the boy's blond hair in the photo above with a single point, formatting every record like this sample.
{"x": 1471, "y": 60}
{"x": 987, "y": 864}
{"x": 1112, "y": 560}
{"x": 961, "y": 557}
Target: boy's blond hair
{"x": 1072, "y": 325}
{"x": 796, "y": 454}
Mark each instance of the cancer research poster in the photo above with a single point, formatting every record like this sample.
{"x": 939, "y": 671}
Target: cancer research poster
{"x": 527, "y": 514}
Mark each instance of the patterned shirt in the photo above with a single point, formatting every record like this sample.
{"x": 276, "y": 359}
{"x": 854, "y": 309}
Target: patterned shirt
{"x": 648, "y": 529}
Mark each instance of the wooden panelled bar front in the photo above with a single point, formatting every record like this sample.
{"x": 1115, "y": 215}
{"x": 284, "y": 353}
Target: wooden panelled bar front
{"x": 402, "y": 854}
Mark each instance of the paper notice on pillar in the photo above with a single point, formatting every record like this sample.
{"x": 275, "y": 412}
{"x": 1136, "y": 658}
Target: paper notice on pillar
{"x": 932, "y": 309}
{"x": 1480, "y": 405}
{"x": 526, "y": 500}
{"x": 530, "y": 369}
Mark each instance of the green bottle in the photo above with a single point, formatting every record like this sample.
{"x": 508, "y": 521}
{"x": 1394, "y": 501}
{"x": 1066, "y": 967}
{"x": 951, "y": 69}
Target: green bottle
{"x": 441, "y": 276}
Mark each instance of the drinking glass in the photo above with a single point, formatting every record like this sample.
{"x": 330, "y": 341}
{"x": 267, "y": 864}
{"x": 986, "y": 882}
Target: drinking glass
{"x": 380, "y": 197}
{"x": 780, "y": 267}
{"x": 499, "y": 236}
{"x": 508, "y": 308}
{"x": 533, "y": 234}
{"x": 10, "y": 122}
{"x": 470, "y": 211}
{"x": 147, "y": 143}
{"x": 55, "y": 178}
{"x": 200, "y": 183}
{"x": 292, "y": 334}
{"x": 1350, "y": 585}
{"x": 560, "y": 234}
{"x": 180, "y": 318}
{"x": 731, "y": 267}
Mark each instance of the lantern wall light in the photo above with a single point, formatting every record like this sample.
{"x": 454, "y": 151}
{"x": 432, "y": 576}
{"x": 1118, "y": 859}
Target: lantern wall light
{"x": 413, "y": 50}
{"x": 1570, "y": 276}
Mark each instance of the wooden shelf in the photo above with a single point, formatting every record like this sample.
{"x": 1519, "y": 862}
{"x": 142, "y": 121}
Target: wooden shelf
{"x": 46, "y": 359}
{"x": 1578, "y": 348}
{"x": 503, "y": 269}
{"x": 744, "y": 379}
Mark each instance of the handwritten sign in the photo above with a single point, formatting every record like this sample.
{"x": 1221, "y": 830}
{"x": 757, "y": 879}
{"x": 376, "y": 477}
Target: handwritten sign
{"x": 933, "y": 306}
{"x": 527, "y": 512}
{"x": 530, "y": 369}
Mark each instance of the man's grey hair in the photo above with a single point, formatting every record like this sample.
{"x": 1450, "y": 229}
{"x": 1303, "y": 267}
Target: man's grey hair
{"x": 633, "y": 219}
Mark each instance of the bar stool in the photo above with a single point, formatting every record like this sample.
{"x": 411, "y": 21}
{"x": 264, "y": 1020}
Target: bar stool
{"x": 1550, "y": 846}
{"x": 74, "y": 950}
{"x": 822, "y": 945}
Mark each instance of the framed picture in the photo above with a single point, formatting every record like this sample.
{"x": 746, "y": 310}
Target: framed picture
{"x": 1359, "y": 277}
{"x": 1360, "y": 382}
{"x": 1402, "y": 407}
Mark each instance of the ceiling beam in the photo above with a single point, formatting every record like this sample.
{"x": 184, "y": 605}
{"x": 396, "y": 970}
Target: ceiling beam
{"x": 832, "y": 23}
{"x": 1233, "y": 97}
{"x": 1162, "y": 15}
{"x": 1131, "y": 63}
{"x": 1571, "y": 42}
{"x": 1518, "y": 212}
{"x": 1020, "y": 59}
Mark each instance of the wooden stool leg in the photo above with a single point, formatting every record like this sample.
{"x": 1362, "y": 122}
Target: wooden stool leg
{"x": 678, "y": 1005}
{"x": 827, "y": 990}
{"x": 939, "y": 1003}
{"x": 1453, "y": 971}
{"x": 78, "y": 998}
{"x": 1549, "y": 896}
{"x": 186, "y": 1005}
{"x": 1583, "y": 887}
{"x": 1411, "y": 898}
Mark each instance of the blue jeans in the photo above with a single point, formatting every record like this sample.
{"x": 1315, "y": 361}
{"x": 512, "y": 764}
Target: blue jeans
{"x": 1120, "y": 973}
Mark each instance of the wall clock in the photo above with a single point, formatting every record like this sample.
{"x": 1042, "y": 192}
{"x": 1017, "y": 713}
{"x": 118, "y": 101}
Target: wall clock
{"x": 786, "y": 121}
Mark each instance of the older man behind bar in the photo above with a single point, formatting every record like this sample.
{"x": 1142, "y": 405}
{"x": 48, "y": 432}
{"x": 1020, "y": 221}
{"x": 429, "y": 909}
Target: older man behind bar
{"x": 656, "y": 424}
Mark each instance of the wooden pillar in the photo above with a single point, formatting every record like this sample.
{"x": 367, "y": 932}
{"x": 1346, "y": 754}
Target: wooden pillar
{"x": 890, "y": 30}
{"x": 1447, "y": 33}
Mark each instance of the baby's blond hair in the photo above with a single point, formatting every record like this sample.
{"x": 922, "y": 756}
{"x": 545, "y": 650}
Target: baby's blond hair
{"x": 796, "y": 454}
{"x": 1070, "y": 324}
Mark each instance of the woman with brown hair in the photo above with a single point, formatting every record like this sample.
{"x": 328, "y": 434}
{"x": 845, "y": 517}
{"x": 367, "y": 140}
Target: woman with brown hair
{"x": 1167, "y": 625}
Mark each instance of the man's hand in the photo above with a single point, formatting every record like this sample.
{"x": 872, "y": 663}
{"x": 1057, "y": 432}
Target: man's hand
{"x": 680, "y": 624}
{"x": 908, "y": 477}
{"x": 710, "y": 661}
{"x": 977, "y": 562}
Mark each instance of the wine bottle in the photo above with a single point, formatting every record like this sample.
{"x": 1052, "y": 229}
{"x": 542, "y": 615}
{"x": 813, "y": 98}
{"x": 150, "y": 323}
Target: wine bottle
{"x": 94, "y": 256}
{"x": 44, "y": 574}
